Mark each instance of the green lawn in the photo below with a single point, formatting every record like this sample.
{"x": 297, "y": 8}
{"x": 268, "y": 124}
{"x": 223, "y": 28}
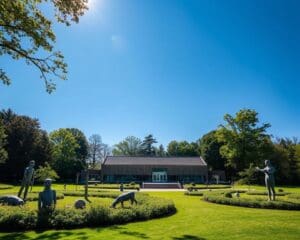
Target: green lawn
{"x": 194, "y": 220}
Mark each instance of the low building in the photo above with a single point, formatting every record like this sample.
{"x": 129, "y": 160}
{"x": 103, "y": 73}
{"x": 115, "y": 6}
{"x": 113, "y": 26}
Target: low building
{"x": 117, "y": 169}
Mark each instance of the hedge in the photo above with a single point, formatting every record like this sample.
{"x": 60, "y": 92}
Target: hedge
{"x": 115, "y": 186}
{"x": 193, "y": 193}
{"x": 34, "y": 196}
{"x": 192, "y": 187}
{"x": 5, "y": 186}
{"x": 16, "y": 218}
{"x": 100, "y": 194}
{"x": 220, "y": 198}
{"x": 255, "y": 192}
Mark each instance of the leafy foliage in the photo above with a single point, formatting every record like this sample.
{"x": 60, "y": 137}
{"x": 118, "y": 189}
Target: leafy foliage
{"x": 25, "y": 141}
{"x": 26, "y": 33}
{"x": 210, "y": 151}
{"x": 183, "y": 148}
{"x": 147, "y": 146}
{"x": 98, "y": 151}
{"x": 3, "y": 152}
{"x": 44, "y": 172}
{"x": 65, "y": 163}
{"x": 244, "y": 142}
{"x": 130, "y": 146}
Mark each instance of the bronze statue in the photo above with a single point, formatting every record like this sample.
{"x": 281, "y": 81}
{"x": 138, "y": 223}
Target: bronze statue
{"x": 47, "y": 198}
{"x": 27, "y": 180}
{"x": 269, "y": 179}
{"x": 124, "y": 197}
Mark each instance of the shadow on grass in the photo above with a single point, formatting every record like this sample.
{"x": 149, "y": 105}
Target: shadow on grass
{"x": 125, "y": 231}
{"x": 188, "y": 237}
{"x": 46, "y": 236}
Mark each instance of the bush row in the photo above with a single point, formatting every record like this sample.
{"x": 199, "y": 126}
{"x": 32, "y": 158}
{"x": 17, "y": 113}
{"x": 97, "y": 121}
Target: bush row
{"x": 256, "y": 192}
{"x": 115, "y": 186}
{"x": 100, "y": 194}
{"x": 193, "y": 193}
{"x": 294, "y": 196}
{"x": 220, "y": 198}
{"x": 5, "y": 186}
{"x": 15, "y": 218}
{"x": 192, "y": 187}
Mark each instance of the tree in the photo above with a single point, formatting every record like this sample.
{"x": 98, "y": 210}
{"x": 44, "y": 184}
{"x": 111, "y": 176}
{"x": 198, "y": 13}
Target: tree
{"x": 244, "y": 142}
{"x": 98, "y": 151}
{"x": 83, "y": 149}
{"x": 44, "y": 172}
{"x": 130, "y": 146}
{"x": 183, "y": 148}
{"x": 286, "y": 160}
{"x": 3, "y": 153}
{"x": 26, "y": 33}
{"x": 161, "y": 151}
{"x": 147, "y": 145}
{"x": 65, "y": 161}
{"x": 210, "y": 150}
{"x": 248, "y": 176}
{"x": 25, "y": 141}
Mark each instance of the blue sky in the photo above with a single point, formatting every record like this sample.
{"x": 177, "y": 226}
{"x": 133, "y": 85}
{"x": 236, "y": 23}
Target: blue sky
{"x": 170, "y": 68}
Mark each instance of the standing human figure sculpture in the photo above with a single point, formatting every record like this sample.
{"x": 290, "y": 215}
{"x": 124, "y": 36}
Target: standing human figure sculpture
{"x": 27, "y": 180}
{"x": 47, "y": 198}
{"x": 269, "y": 171}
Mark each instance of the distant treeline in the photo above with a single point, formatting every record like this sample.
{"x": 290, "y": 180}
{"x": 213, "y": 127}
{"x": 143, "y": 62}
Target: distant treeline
{"x": 237, "y": 145}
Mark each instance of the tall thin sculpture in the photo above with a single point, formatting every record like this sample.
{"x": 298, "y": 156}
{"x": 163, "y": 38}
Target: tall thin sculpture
{"x": 269, "y": 171}
{"x": 27, "y": 180}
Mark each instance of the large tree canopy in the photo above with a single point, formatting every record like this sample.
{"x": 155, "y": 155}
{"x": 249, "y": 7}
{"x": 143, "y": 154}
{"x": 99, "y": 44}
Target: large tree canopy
{"x": 3, "y": 153}
{"x": 183, "y": 148}
{"x": 130, "y": 146}
{"x": 26, "y": 33}
{"x": 25, "y": 141}
{"x": 65, "y": 147}
{"x": 244, "y": 141}
{"x": 210, "y": 151}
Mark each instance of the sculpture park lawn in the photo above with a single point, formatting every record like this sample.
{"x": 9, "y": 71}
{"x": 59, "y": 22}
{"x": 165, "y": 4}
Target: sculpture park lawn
{"x": 194, "y": 220}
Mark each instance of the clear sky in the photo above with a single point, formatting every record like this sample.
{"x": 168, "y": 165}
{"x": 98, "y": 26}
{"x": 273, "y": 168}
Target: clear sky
{"x": 170, "y": 68}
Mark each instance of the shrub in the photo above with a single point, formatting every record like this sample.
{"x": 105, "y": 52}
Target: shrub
{"x": 34, "y": 196}
{"x": 97, "y": 215}
{"x": 219, "y": 197}
{"x": 189, "y": 193}
{"x": 255, "y": 192}
{"x": 15, "y": 218}
{"x": 294, "y": 196}
{"x": 228, "y": 195}
{"x": 100, "y": 194}
{"x": 5, "y": 186}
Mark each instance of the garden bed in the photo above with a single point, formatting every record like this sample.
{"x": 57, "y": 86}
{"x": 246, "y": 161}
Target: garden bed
{"x": 229, "y": 198}
{"x": 26, "y": 218}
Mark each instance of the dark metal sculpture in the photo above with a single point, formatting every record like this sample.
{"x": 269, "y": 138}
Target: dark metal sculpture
{"x": 269, "y": 171}
{"x": 80, "y": 204}
{"x": 27, "y": 180}
{"x": 124, "y": 197}
{"x": 11, "y": 200}
{"x": 47, "y": 198}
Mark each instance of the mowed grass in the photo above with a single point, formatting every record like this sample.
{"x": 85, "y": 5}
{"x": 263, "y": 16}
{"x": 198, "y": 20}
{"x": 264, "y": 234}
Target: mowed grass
{"x": 195, "y": 219}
